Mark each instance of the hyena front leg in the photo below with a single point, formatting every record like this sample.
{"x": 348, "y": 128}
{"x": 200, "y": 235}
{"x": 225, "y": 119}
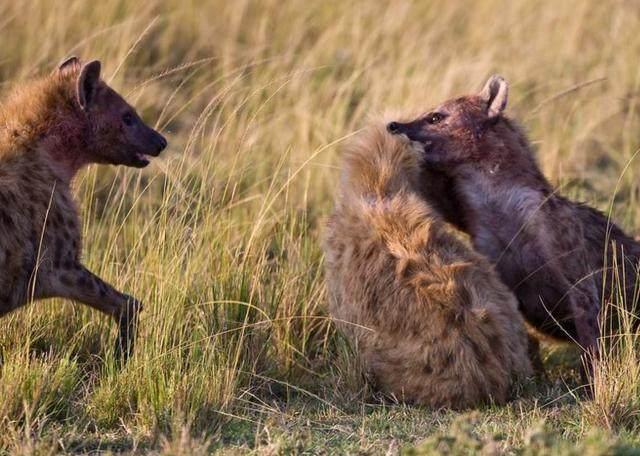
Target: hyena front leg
{"x": 535, "y": 357}
{"x": 586, "y": 311}
{"x": 585, "y": 305}
{"x": 80, "y": 284}
{"x": 573, "y": 300}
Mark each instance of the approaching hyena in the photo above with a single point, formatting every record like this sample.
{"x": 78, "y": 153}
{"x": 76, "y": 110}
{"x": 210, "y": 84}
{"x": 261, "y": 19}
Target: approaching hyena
{"x": 544, "y": 246}
{"x": 430, "y": 318}
{"x": 49, "y": 129}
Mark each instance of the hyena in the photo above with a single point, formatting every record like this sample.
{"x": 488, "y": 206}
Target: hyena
{"x": 50, "y": 128}
{"x": 540, "y": 242}
{"x": 429, "y": 317}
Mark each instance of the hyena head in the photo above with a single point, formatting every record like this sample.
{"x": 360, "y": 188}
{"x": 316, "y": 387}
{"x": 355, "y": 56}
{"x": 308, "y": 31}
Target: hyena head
{"x": 115, "y": 132}
{"x": 459, "y": 130}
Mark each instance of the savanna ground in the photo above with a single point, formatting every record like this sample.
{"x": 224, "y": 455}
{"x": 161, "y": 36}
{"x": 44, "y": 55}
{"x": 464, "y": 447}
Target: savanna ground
{"x": 221, "y": 236}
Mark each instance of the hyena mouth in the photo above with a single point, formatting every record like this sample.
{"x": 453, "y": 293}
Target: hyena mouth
{"x": 420, "y": 146}
{"x": 156, "y": 144}
{"x": 140, "y": 160}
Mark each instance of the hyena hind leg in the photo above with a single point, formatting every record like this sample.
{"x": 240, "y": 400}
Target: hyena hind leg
{"x": 79, "y": 284}
{"x": 8, "y": 303}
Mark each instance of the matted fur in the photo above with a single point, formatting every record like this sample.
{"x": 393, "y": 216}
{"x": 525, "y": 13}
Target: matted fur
{"x": 428, "y": 315}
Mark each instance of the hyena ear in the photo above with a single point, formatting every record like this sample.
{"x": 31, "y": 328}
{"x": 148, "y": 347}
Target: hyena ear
{"x": 88, "y": 82}
{"x": 495, "y": 93}
{"x": 69, "y": 63}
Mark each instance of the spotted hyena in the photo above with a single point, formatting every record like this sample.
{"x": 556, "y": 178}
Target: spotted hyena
{"x": 538, "y": 240}
{"x": 49, "y": 129}
{"x": 429, "y": 316}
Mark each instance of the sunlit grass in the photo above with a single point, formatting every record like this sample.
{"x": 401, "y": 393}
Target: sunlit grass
{"x": 220, "y": 238}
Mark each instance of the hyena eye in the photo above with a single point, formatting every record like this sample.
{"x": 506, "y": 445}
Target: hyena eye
{"x": 435, "y": 117}
{"x": 127, "y": 119}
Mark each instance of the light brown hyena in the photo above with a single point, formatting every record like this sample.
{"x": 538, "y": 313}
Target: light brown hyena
{"x": 536, "y": 238}
{"x": 430, "y": 319}
{"x": 49, "y": 129}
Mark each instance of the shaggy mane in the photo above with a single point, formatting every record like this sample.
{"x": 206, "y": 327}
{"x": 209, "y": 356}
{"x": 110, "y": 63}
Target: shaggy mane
{"x": 33, "y": 109}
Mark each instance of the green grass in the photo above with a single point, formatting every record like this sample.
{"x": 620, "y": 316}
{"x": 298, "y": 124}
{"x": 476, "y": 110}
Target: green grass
{"x": 220, "y": 238}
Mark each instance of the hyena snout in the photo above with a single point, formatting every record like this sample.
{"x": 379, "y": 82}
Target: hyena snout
{"x": 145, "y": 142}
{"x": 414, "y": 131}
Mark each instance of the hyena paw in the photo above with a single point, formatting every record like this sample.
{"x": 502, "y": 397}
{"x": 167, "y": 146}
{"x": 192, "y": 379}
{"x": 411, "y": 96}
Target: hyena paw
{"x": 128, "y": 323}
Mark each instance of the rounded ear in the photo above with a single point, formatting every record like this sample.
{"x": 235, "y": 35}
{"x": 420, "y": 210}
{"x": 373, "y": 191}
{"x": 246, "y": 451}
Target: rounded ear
{"x": 495, "y": 93}
{"x": 88, "y": 83}
{"x": 69, "y": 63}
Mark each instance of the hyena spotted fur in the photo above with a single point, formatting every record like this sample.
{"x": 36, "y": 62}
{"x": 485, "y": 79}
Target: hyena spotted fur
{"x": 50, "y": 128}
{"x": 429, "y": 316}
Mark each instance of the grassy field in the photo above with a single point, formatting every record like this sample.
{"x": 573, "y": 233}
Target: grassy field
{"x": 220, "y": 238}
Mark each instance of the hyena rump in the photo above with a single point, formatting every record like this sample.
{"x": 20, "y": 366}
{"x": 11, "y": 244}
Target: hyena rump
{"x": 49, "y": 129}
{"x": 430, "y": 319}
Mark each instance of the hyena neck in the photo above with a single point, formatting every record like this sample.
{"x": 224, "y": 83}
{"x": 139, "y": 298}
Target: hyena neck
{"x": 65, "y": 154}
{"x": 44, "y": 118}
{"x": 491, "y": 194}
{"x": 501, "y": 165}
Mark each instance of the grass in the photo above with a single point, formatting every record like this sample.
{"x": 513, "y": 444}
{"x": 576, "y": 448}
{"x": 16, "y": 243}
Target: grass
{"x": 220, "y": 237}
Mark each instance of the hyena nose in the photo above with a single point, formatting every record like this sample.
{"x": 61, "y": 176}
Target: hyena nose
{"x": 161, "y": 142}
{"x": 393, "y": 128}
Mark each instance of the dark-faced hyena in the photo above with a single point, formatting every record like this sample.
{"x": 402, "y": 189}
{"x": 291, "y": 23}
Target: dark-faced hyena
{"x": 430, "y": 318}
{"x": 49, "y": 129}
{"x": 540, "y": 242}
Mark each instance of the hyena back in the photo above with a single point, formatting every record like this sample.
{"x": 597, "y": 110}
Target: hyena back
{"x": 430, "y": 319}
{"x": 49, "y": 129}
